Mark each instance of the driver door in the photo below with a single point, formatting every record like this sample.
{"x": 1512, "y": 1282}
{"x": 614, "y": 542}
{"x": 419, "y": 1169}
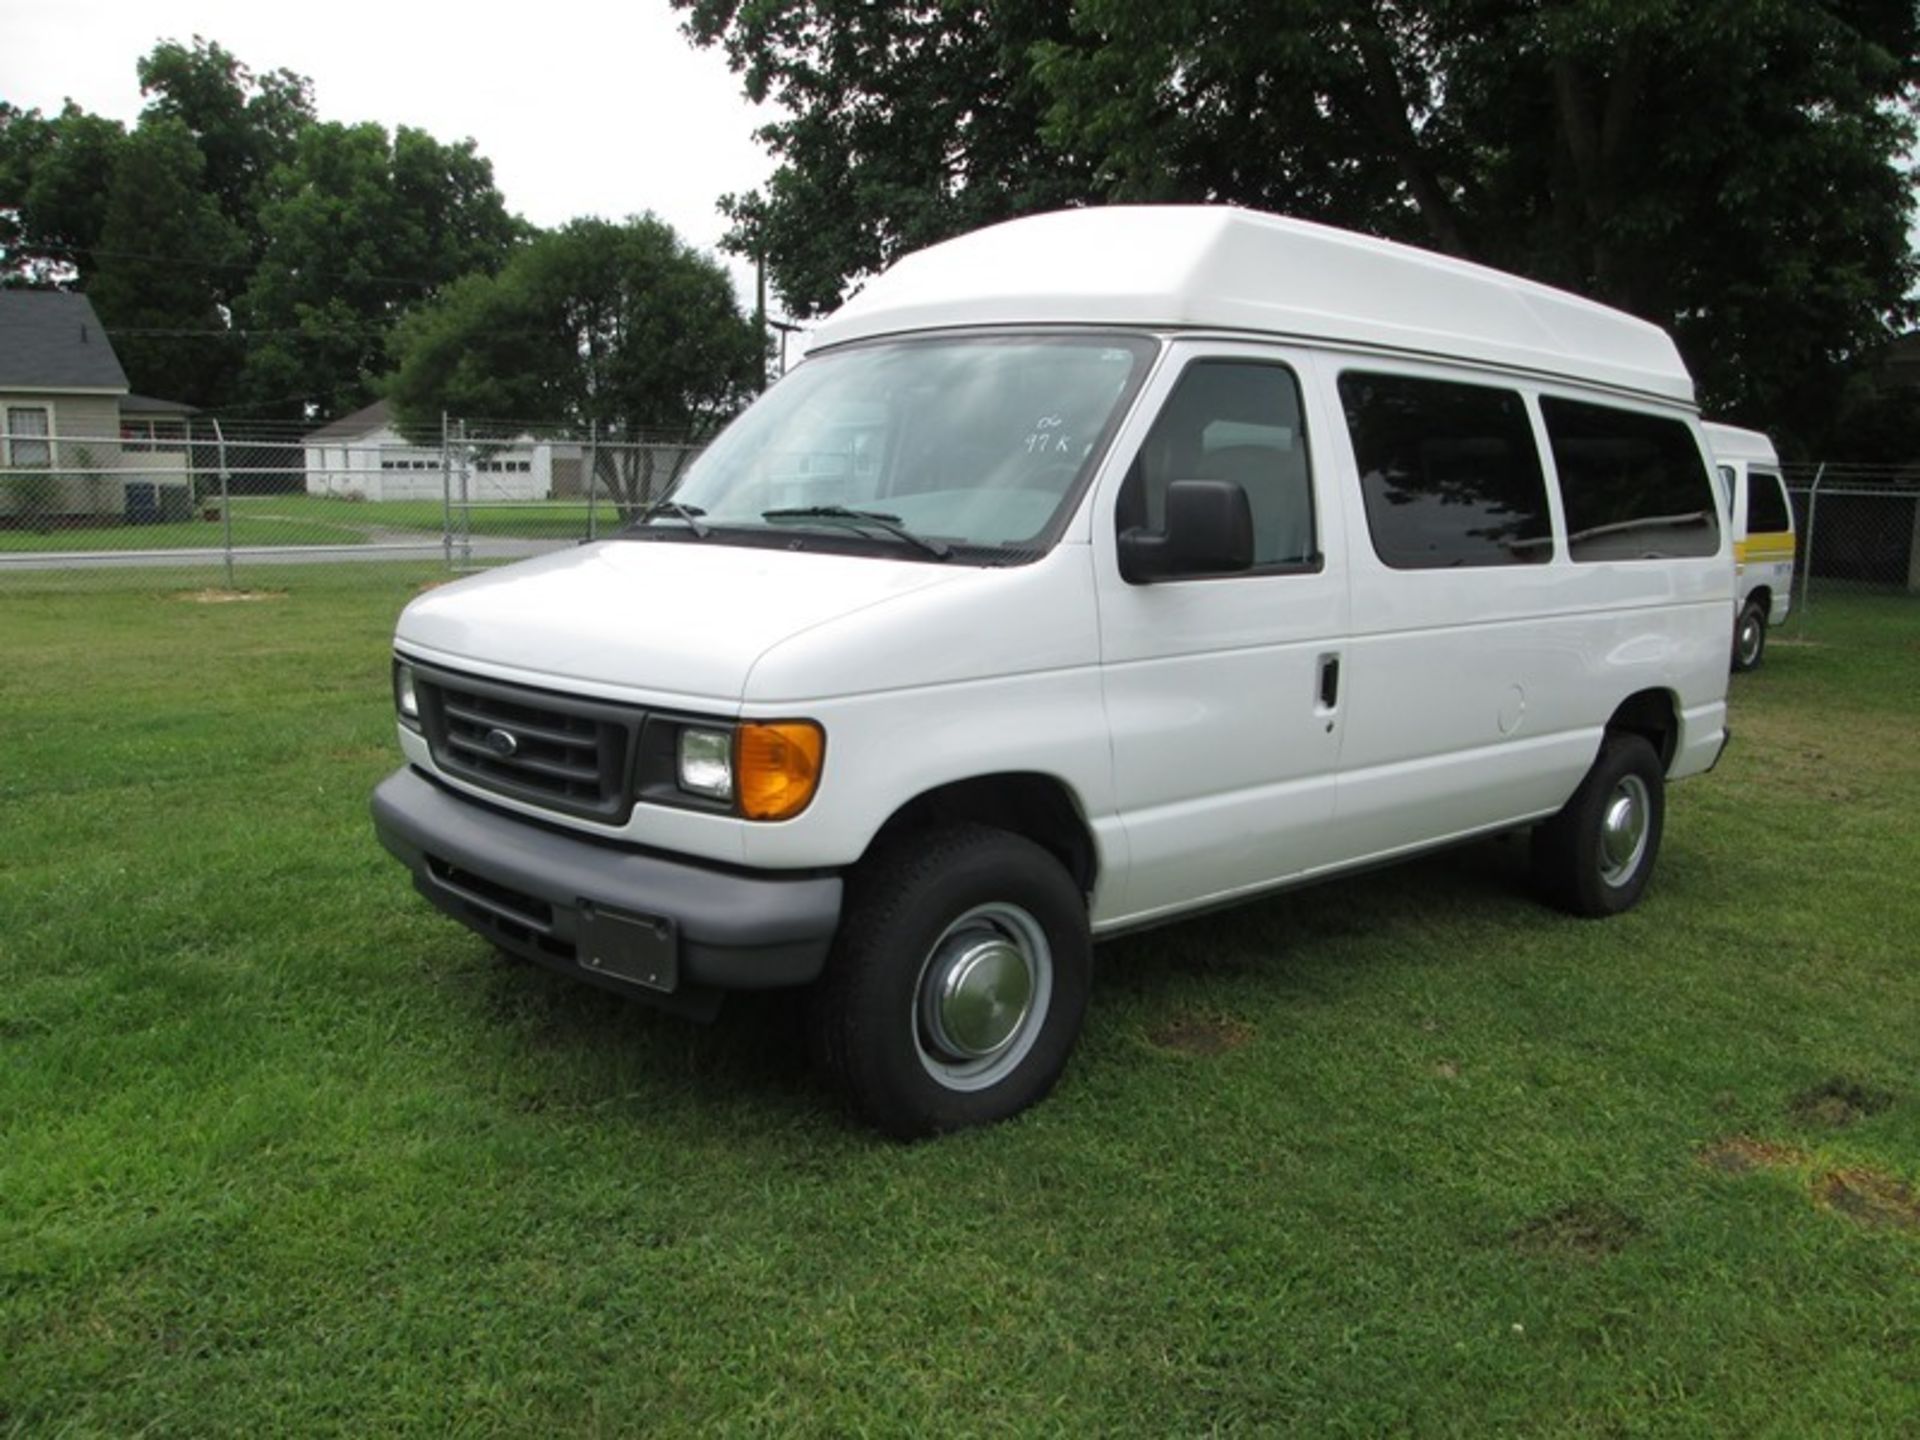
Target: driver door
{"x": 1224, "y": 692}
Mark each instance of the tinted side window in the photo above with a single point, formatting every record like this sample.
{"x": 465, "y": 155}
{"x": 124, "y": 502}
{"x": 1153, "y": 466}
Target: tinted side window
{"x": 1231, "y": 420}
{"x": 1766, "y": 504}
{"x": 1448, "y": 471}
{"x": 1634, "y": 485}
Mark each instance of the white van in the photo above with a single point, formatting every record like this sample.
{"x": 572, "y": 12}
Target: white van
{"x": 1092, "y": 570}
{"x": 1761, "y": 517}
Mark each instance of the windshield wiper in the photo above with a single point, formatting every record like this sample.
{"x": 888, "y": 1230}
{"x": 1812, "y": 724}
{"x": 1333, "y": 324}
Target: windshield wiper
{"x": 879, "y": 519}
{"x": 674, "y": 510}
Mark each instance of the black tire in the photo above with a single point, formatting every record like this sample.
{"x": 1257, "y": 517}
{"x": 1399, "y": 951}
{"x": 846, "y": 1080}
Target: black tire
{"x": 1750, "y": 637}
{"x": 1594, "y": 858}
{"x": 955, "y": 904}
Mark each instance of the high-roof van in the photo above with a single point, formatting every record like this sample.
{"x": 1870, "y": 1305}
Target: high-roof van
{"x": 1091, "y": 571}
{"x": 1761, "y": 517}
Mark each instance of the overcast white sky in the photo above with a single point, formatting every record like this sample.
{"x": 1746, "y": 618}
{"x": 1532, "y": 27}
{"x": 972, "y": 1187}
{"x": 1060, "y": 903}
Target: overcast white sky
{"x": 583, "y": 108}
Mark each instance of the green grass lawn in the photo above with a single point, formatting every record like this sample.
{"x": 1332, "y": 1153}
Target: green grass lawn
{"x": 279, "y": 529}
{"x": 281, "y": 1151}
{"x": 324, "y": 520}
{"x": 532, "y": 519}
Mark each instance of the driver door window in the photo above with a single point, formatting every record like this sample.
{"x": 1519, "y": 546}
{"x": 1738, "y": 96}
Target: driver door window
{"x": 1240, "y": 421}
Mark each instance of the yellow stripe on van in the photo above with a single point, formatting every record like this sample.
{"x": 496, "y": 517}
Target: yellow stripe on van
{"x": 1764, "y": 549}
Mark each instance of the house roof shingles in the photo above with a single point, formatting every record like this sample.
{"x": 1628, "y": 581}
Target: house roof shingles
{"x": 52, "y": 340}
{"x": 153, "y": 405}
{"x": 352, "y": 427}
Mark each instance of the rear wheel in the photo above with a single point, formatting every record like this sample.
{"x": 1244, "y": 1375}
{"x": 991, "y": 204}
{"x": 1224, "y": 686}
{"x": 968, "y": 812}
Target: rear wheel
{"x": 958, "y": 983}
{"x": 1594, "y": 858}
{"x": 1750, "y": 636}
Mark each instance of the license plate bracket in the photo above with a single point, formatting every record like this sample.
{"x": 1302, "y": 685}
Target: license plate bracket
{"x": 642, "y": 950}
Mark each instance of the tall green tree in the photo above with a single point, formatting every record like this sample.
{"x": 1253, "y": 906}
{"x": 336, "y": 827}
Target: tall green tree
{"x": 357, "y": 227}
{"x": 622, "y": 329}
{"x": 166, "y": 257}
{"x": 903, "y": 125}
{"x": 55, "y": 175}
{"x": 1731, "y": 169}
{"x": 243, "y": 123}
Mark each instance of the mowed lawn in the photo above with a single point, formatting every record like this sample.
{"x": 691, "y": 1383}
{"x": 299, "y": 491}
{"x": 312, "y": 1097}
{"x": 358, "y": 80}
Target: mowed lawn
{"x": 534, "y": 519}
{"x": 266, "y": 520}
{"x": 281, "y": 1151}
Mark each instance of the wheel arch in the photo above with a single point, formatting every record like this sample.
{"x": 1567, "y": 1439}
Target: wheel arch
{"x": 1040, "y": 807}
{"x": 1653, "y": 715}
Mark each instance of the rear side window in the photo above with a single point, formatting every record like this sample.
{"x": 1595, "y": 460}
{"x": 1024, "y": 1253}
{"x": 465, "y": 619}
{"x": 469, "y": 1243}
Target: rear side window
{"x": 1766, "y": 504}
{"x": 1634, "y": 485}
{"x": 1448, "y": 471}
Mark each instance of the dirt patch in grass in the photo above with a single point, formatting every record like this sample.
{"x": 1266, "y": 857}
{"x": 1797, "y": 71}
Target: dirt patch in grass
{"x": 1584, "y": 1230}
{"x": 1837, "y": 1103}
{"x": 1738, "y": 1154}
{"x": 1869, "y": 1198}
{"x": 215, "y": 596}
{"x": 426, "y": 585}
{"x": 1200, "y": 1035}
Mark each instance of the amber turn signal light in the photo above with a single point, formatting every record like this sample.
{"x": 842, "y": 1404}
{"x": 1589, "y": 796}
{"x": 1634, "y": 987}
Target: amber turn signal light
{"x": 777, "y": 767}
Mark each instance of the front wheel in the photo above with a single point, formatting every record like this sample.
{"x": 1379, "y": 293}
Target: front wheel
{"x": 1750, "y": 636}
{"x": 958, "y": 983}
{"x": 1594, "y": 858}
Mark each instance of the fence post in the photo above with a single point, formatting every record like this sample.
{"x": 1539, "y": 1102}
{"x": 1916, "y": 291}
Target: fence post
{"x": 1806, "y": 570}
{"x": 466, "y": 500}
{"x": 1913, "y": 552}
{"x": 593, "y": 479}
{"x": 446, "y": 493}
{"x": 226, "y": 498}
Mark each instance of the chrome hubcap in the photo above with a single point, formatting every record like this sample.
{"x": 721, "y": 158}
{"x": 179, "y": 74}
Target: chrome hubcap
{"x": 982, "y": 996}
{"x": 979, "y": 998}
{"x": 1623, "y": 830}
{"x": 1749, "y": 640}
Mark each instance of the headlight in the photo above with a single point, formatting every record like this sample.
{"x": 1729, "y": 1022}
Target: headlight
{"x": 765, "y": 770}
{"x": 404, "y": 698}
{"x": 706, "y": 763}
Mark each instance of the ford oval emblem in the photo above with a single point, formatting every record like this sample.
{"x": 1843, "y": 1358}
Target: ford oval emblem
{"x": 503, "y": 743}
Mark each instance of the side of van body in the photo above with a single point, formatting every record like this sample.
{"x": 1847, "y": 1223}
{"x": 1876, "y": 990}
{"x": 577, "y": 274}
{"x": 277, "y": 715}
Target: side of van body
{"x": 1764, "y": 542}
{"x": 1091, "y": 571}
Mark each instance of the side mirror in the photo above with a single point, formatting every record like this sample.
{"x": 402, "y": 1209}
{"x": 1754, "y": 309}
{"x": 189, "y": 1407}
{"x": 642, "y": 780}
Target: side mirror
{"x": 1209, "y": 532}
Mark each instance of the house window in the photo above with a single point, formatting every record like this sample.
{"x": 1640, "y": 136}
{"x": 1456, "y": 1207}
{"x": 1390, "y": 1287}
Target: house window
{"x": 28, "y": 429}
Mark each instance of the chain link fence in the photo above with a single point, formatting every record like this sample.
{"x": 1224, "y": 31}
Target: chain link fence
{"x": 193, "y": 501}
{"x": 182, "y": 500}
{"x": 1859, "y": 532}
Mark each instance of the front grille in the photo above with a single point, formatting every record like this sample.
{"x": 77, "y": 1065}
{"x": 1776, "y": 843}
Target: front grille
{"x": 551, "y": 750}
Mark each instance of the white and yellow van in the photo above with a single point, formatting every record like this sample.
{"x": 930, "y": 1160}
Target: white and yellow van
{"x": 1763, "y": 536}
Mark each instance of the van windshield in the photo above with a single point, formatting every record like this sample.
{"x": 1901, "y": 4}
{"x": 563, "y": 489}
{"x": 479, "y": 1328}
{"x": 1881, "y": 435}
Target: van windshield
{"x": 972, "y": 446}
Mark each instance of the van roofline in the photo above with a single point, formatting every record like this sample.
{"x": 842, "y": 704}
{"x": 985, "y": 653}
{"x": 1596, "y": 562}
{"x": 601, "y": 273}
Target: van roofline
{"x": 1205, "y": 267}
{"x": 1730, "y": 442}
{"x": 1357, "y": 349}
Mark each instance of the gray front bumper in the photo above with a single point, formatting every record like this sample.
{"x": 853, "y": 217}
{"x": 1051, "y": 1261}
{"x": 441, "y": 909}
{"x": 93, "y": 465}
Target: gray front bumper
{"x": 525, "y": 887}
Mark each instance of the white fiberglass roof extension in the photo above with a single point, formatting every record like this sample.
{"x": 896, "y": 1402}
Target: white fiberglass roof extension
{"x": 1730, "y": 442}
{"x": 1220, "y": 268}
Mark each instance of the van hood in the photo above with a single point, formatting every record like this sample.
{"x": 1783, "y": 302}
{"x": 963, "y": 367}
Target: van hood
{"x": 680, "y": 621}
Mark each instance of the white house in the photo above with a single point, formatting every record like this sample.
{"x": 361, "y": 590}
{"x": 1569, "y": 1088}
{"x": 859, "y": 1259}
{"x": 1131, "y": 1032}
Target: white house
{"x": 364, "y": 454}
